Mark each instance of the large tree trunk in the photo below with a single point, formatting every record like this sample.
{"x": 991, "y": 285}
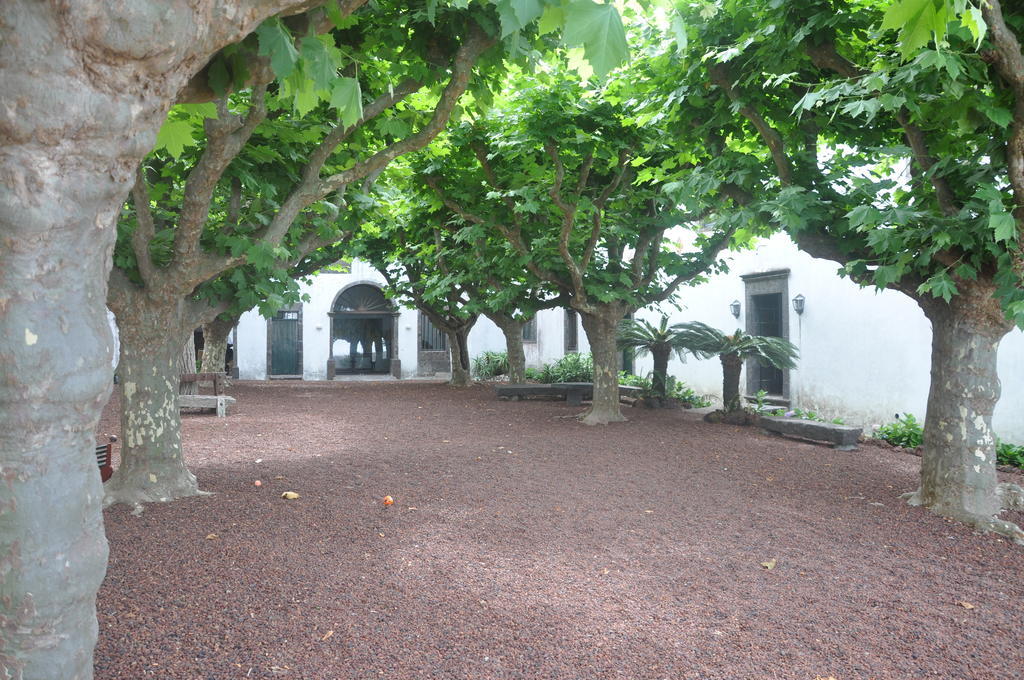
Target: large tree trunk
{"x": 86, "y": 93}
{"x": 660, "y": 355}
{"x": 958, "y": 466}
{"x": 56, "y": 238}
{"x": 601, "y": 326}
{"x": 152, "y": 466}
{"x": 187, "y": 364}
{"x": 153, "y": 331}
{"x": 513, "y": 332}
{"x": 215, "y": 344}
{"x": 458, "y": 344}
{"x": 732, "y": 364}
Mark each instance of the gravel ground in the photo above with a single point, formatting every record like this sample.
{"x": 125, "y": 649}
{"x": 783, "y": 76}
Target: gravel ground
{"x": 523, "y": 544}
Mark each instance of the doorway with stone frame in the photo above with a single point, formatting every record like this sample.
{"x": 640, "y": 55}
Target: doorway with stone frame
{"x": 766, "y": 295}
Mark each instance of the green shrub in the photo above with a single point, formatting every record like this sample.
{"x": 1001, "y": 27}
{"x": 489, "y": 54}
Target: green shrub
{"x": 490, "y": 364}
{"x": 905, "y": 432}
{"x": 675, "y": 389}
{"x": 533, "y": 374}
{"x": 1009, "y": 454}
{"x": 630, "y": 380}
{"x": 575, "y": 367}
{"x": 679, "y": 391}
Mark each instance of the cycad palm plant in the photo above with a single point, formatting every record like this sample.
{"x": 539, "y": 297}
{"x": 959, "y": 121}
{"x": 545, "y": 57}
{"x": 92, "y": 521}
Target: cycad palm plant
{"x": 705, "y": 342}
{"x": 659, "y": 341}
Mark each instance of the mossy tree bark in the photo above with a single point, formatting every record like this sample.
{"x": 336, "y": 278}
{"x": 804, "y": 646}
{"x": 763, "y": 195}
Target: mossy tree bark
{"x": 215, "y": 344}
{"x": 512, "y": 329}
{"x": 153, "y": 333}
{"x": 187, "y": 364}
{"x": 458, "y": 346}
{"x": 601, "y": 325}
{"x": 958, "y": 464}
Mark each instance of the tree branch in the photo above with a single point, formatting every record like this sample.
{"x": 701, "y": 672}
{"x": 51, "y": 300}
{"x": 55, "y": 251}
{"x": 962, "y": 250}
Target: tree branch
{"x": 568, "y": 220}
{"x": 226, "y": 135}
{"x": 1009, "y": 62}
{"x": 824, "y": 55}
{"x": 623, "y": 170}
{"x": 513, "y": 235}
{"x": 480, "y": 151}
{"x": 145, "y": 229}
{"x": 698, "y": 264}
{"x": 475, "y": 45}
{"x": 721, "y": 77}
{"x": 198, "y": 88}
{"x": 310, "y": 187}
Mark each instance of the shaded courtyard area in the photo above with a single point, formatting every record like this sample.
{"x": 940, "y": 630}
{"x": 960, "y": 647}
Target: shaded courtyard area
{"x": 523, "y": 544}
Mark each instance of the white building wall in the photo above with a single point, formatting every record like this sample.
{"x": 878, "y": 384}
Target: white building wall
{"x": 251, "y": 346}
{"x": 548, "y": 348}
{"x": 864, "y": 355}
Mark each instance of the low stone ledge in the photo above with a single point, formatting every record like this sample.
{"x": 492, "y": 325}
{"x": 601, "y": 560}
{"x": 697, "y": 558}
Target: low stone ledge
{"x": 842, "y": 437}
{"x": 574, "y": 393}
{"x": 217, "y": 402}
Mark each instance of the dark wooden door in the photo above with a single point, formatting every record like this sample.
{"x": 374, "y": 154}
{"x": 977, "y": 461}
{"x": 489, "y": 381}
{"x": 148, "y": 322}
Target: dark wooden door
{"x": 285, "y": 333}
{"x": 768, "y": 322}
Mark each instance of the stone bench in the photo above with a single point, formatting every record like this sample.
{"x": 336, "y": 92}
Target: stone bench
{"x": 217, "y": 402}
{"x": 573, "y": 393}
{"x": 842, "y": 437}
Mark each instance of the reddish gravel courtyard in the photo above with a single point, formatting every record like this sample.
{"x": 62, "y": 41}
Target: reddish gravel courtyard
{"x": 523, "y": 544}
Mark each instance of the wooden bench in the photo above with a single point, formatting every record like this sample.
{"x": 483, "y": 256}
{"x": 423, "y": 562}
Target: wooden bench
{"x": 217, "y": 402}
{"x": 573, "y": 392}
{"x": 842, "y": 437}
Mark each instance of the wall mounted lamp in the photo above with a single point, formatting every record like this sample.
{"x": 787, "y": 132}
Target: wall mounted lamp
{"x": 798, "y": 304}
{"x": 734, "y": 307}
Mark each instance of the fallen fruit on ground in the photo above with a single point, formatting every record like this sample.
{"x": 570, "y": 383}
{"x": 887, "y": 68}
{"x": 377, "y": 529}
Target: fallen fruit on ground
{"x": 289, "y": 495}
{"x": 388, "y": 500}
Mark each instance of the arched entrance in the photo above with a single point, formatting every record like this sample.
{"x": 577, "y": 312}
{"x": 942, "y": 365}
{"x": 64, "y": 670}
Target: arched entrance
{"x": 362, "y": 331}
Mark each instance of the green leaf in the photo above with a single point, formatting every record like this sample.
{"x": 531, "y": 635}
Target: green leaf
{"x": 527, "y": 10}
{"x": 917, "y": 21}
{"x": 974, "y": 22}
{"x": 317, "y": 63}
{"x": 940, "y": 286}
{"x": 203, "y": 110}
{"x": 334, "y": 14}
{"x": 679, "y": 33}
{"x": 598, "y": 28}
{"x": 305, "y": 100}
{"x": 276, "y": 43}
{"x": 347, "y": 98}
{"x": 888, "y": 274}
{"x": 998, "y": 115}
{"x": 174, "y": 136}
{"x": 515, "y": 14}
{"x": 1003, "y": 226}
{"x": 551, "y": 20}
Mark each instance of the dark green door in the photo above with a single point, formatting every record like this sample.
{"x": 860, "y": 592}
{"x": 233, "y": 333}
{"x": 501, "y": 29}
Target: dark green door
{"x": 285, "y": 334}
